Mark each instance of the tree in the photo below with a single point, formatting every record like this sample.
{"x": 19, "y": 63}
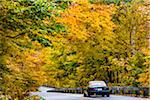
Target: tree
{"x": 22, "y": 36}
{"x": 130, "y": 38}
{"x": 87, "y": 29}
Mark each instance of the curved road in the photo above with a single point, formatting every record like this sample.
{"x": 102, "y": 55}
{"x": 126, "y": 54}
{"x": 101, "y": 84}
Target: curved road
{"x": 68, "y": 96}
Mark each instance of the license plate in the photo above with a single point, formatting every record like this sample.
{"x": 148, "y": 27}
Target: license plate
{"x": 99, "y": 89}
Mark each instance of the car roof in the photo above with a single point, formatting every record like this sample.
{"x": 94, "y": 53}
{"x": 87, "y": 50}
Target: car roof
{"x": 96, "y": 83}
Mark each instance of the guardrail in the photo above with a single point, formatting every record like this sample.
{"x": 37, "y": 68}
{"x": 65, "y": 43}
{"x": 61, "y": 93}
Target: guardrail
{"x": 129, "y": 91}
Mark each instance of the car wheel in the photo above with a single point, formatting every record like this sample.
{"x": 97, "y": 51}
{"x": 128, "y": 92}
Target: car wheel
{"x": 103, "y": 95}
{"x": 84, "y": 95}
{"x": 108, "y": 95}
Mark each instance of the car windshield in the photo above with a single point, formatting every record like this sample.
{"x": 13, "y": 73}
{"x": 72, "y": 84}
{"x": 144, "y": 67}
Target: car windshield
{"x": 97, "y": 84}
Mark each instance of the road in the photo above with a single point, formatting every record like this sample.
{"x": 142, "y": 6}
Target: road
{"x": 69, "y": 96}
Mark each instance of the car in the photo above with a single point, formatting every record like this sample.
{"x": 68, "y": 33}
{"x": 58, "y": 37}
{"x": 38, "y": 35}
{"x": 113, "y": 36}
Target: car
{"x": 97, "y": 88}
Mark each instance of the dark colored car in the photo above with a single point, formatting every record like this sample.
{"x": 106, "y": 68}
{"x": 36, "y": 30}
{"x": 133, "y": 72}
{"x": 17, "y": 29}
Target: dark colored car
{"x": 97, "y": 88}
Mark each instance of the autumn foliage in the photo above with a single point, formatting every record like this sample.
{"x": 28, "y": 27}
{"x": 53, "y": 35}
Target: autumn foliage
{"x": 69, "y": 43}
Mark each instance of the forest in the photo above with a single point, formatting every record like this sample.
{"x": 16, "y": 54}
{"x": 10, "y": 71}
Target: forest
{"x": 67, "y": 43}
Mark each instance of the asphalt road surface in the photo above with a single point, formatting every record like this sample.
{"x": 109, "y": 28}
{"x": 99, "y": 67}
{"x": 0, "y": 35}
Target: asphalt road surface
{"x": 68, "y": 96}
